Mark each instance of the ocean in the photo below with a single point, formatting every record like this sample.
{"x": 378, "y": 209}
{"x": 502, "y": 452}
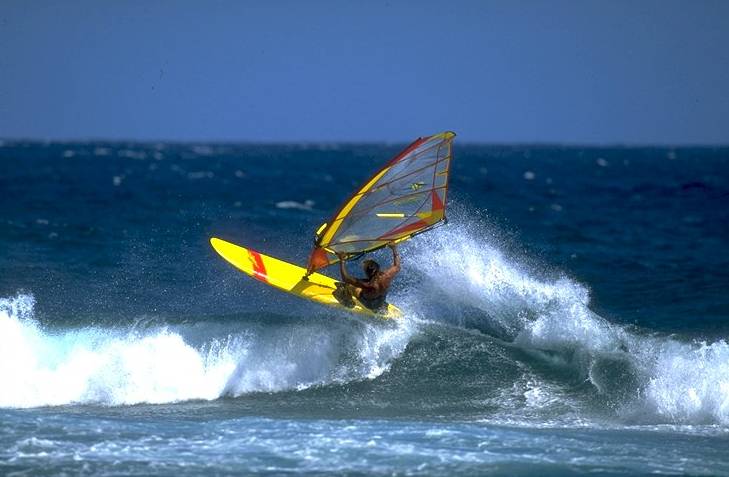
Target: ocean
{"x": 571, "y": 317}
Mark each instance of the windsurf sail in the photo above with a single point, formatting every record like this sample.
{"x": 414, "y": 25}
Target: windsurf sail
{"x": 404, "y": 198}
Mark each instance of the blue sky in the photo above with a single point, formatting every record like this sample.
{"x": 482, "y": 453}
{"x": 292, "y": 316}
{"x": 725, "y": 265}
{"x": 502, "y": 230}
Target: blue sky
{"x": 588, "y": 72}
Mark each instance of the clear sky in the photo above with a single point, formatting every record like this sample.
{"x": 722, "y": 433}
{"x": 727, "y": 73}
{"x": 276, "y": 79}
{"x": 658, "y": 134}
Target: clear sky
{"x": 629, "y": 72}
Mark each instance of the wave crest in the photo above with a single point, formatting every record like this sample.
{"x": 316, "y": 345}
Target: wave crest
{"x": 639, "y": 376}
{"x": 160, "y": 364}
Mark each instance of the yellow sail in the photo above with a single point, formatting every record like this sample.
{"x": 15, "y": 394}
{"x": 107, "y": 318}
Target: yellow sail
{"x": 406, "y": 197}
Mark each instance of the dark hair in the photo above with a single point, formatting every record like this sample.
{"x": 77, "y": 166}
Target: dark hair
{"x": 370, "y": 267}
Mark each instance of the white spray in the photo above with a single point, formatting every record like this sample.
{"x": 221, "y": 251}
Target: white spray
{"x": 39, "y": 367}
{"x": 675, "y": 381}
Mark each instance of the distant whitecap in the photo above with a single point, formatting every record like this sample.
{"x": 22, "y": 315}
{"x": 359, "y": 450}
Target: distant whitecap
{"x": 203, "y": 150}
{"x": 292, "y": 204}
{"x": 128, "y": 153}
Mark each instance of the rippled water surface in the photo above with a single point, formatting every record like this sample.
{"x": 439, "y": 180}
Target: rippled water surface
{"x": 571, "y": 317}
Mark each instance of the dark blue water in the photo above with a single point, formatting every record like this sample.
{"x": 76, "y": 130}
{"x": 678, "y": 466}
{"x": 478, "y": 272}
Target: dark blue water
{"x": 571, "y": 317}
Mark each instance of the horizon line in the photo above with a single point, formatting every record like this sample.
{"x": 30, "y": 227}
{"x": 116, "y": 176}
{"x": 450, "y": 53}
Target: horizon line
{"x": 230, "y": 142}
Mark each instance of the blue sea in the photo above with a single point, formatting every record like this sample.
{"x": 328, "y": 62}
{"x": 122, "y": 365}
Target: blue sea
{"x": 571, "y": 317}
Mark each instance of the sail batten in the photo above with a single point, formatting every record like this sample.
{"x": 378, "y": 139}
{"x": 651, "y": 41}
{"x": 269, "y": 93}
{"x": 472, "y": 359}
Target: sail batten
{"x": 406, "y": 197}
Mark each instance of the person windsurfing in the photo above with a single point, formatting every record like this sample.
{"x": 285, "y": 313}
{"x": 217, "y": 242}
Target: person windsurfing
{"x": 370, "y": 291}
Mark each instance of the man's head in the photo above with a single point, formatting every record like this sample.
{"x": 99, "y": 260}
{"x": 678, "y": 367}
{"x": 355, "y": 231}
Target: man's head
{"x": 370, "y": 267}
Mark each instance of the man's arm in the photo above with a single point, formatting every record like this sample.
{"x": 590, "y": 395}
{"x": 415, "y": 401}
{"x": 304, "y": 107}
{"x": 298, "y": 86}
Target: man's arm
{"x": 346, "y": 277}
{"x": 395, "y": 268}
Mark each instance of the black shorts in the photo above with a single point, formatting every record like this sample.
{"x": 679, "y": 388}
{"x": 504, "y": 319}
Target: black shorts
{"x": 378, "y": 304}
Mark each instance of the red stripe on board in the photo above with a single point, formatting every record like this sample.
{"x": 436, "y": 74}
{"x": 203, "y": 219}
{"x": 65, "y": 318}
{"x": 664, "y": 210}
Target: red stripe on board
{"x": 259, "y": 269}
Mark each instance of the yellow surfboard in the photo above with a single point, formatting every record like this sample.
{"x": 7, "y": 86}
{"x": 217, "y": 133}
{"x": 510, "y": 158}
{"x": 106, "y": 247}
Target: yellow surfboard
{"x": 289, "y": 278}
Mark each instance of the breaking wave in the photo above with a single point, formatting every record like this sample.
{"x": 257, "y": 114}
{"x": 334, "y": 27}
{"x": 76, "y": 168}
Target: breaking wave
{"x": 162, "y": 364}
{"x": 638, "y": 375}
{"x": 455, "y": 278}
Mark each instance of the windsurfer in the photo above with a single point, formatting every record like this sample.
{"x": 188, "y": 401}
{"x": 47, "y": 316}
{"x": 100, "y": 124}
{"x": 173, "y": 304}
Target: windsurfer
{"x": 370, "y": 291}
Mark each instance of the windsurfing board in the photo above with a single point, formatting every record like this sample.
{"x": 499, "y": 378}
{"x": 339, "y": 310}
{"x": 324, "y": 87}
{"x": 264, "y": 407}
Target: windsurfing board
{"x": 289, "y": 278}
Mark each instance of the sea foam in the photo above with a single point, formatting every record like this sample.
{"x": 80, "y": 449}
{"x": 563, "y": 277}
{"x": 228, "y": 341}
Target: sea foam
{"x": 641, "y": 376}
{"x": 40, "y": 367}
